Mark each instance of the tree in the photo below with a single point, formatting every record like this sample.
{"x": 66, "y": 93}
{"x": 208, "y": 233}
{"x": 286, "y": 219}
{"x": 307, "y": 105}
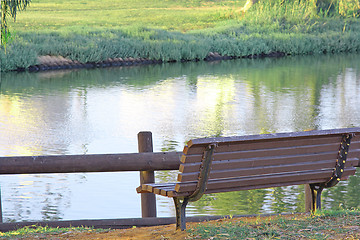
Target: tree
{"x": 9, "y": 8}
{"x": 347, "y": 8}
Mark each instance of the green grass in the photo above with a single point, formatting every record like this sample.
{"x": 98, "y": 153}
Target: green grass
{"x": 175, "y": 30}
{"x": 327, "y": 224}
{"x": 45, "y": 232}
{"x": 74, "y": 15}
{"x": 323, "y": 225}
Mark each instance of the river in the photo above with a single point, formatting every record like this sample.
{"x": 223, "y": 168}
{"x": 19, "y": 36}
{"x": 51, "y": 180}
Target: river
{"x": 101, "y": 111}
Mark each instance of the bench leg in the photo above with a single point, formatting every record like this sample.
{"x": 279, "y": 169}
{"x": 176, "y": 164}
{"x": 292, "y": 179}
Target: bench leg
{"x": 180, "y": 213}
{"x": 316, "y": 191}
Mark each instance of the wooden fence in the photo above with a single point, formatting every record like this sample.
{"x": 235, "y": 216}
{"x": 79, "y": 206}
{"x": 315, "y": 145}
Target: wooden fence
{"x": 146, "y": 161}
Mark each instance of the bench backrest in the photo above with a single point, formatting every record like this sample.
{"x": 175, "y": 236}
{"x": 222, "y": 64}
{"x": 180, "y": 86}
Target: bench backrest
{"x": 268, "y": 160}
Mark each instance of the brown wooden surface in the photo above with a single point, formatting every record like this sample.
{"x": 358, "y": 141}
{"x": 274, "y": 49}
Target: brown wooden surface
{"x": 268, "y": 143}
{"x": 1, "y": 216}
{"x": 320, "y": 176}
{"x": 280, "y": 184}
{"x": 252, "y": 171}
{"x": 168, "y": 189}
{"x": 299, "y": 135}
{"x": 276, "y": 151}
{"x": 308, "y": 198}
{"x": 164, "y": 189}
{"x": 148, "y": 200}
{"x": 259, "y": 162}
{"x": 90, "y": 163}
{"x": 354, "y": 150}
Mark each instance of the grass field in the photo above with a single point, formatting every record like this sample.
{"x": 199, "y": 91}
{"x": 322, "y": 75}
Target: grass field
{"x": 173, "y": 30}
{"x": 74, "y": 15}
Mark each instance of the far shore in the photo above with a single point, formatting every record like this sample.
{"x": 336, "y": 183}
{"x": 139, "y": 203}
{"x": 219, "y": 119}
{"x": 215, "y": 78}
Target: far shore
{"x": 172, "y": 31}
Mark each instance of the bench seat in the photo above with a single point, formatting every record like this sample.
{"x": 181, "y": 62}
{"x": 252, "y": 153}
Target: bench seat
{"x": 245, "y": 183}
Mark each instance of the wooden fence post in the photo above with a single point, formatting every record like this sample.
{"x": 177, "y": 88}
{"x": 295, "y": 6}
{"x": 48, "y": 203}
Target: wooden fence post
{"x": 308, "y": 198}
{"x": 1, "y": 217}
{"x": 148, "y": 200}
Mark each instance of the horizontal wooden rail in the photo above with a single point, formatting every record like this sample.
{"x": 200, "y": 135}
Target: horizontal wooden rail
{"x": 90, "y": 163}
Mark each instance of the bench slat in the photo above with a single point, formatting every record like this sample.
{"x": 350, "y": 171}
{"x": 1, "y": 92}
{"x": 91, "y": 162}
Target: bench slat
{"x": 251, "y": 171}
{"x": 354, "y": 150}
{"x": 281, "y": 184}
{"x": 269, "y": 144}
{"x": 259, "y": 180}
{"x": 276, "y": 136}
{"x": 164, "y": 189}
{"x": 264, "y": 161}
{"x": 334, "y": 147}
{"x": 149, "y": 187}
{"x": 280, "y": 151}
{"x": 283, "y": 143}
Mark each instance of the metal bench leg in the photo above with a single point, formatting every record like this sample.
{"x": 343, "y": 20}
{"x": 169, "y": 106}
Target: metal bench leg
{"x": 180, "y": 213}
{"x": 316, "y": 191}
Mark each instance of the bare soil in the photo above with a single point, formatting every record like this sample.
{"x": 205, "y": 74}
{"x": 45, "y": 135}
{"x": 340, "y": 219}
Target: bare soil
{"x": 168, "y": 232}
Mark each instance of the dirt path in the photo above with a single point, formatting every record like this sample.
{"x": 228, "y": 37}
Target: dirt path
{"x": 341, "y": 230}
{"x": 143, "y": 233}
{"x": 153, "y": 233}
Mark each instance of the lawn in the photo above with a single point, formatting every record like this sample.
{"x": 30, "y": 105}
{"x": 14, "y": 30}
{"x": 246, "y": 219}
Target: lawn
{"x": 174, "y": 30}
{"x": 61, "y": 15}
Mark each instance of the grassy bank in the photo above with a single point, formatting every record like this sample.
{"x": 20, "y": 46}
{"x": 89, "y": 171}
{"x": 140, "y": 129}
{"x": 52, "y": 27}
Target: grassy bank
{"x": 323, "y": 225}
{"x": 174, "y": 30}
{"x": 38, "y": 232}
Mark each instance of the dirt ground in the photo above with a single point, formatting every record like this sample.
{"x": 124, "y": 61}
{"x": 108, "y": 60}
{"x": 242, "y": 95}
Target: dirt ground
{"x": 168, "y": 232}
{"x": 151, "y": 233}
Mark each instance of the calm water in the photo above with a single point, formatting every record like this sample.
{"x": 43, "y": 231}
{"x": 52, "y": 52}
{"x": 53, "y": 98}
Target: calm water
{"x": 102, "y": 110}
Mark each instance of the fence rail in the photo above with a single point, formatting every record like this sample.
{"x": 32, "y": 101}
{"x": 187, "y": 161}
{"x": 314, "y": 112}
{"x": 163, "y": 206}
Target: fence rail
{"x": 147, "y": 161}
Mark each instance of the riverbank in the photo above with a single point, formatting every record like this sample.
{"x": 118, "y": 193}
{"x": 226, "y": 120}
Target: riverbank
{"x": 323, "y": 225}
{"x": 48, "y": 63}
{"x": 195, "y": 32}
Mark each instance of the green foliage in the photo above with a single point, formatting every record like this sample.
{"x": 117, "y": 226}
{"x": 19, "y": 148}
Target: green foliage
{"x": 9, "y": 8}
{"x": 349, "y": 8}
{"x": 6, "y": 38}
{"x": 44, "y": 232}
{"x": 300, "y": 10}
{"x": 17, "y": 55}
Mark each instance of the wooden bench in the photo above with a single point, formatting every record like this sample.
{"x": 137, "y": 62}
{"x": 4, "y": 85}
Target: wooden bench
{"x": 224, "y": 164}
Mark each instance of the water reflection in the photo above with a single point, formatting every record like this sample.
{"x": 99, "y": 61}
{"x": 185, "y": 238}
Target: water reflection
{"x": 102, "y": 110}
